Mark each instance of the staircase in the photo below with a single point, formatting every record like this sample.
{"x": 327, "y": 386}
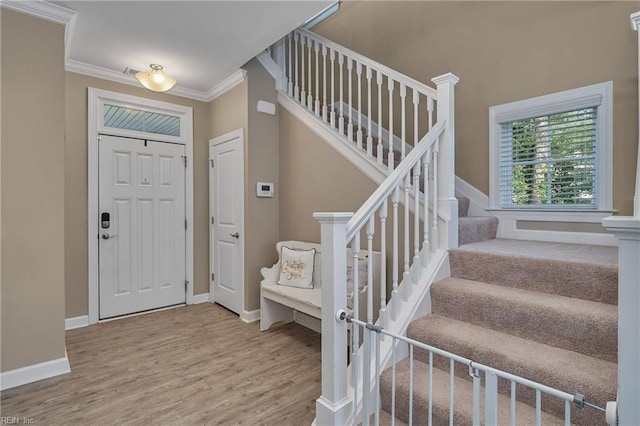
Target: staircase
{"x": 543, "y": 311}
{"x": 530, "y": 325}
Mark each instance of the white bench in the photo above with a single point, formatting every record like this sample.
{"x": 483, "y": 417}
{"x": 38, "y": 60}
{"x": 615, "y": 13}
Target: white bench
{"x": 279, "y": 302}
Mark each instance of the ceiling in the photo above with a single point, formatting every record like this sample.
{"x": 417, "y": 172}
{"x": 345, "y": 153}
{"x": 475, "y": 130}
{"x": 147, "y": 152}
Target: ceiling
{"x": 200, "y": 43}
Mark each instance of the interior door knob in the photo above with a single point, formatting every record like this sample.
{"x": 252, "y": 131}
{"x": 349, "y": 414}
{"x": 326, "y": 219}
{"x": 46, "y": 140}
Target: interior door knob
{"x": 107, "y": 236}
{"x": 236, "y": 235}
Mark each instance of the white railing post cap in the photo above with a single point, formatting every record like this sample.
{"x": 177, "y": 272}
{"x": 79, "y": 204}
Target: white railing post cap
{"x": 635, "y": 21}
{"x": 446, "y": 78}
{"x": 333, "y": 217}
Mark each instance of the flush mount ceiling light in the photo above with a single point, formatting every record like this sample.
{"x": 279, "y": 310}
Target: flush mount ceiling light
{"x": 156, "y": 79}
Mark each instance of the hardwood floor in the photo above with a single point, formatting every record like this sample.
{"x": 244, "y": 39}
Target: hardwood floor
{"x": 197, "y": 364}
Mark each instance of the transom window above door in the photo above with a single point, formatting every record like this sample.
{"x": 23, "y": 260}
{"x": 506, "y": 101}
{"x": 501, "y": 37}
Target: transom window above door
{"x": 120, "y": 117}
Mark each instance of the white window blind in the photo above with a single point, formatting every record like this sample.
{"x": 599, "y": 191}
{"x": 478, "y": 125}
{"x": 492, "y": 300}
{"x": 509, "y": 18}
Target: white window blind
{"x": 549, "y": 161}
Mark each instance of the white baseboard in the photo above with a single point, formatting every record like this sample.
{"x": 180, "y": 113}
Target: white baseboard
{"x": 76, "y": 322}
{"x": 200, "y": 298}
{"x": 250, "y": 316}
{"x": 509, "y": 229}
{"x": 33, "y": 373}
{"x": 308, "y": 321}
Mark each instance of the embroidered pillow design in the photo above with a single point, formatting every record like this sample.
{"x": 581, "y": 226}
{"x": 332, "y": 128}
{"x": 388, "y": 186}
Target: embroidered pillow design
{"x": 296, "y": 267}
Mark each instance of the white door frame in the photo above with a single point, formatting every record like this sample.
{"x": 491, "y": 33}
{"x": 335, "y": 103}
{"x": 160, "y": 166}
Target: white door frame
{"x": 213, "y": 142}
{"x": 97, "y": 100}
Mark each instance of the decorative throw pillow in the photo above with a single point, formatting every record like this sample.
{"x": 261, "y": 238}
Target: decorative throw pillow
{"x": 296, "y": 267}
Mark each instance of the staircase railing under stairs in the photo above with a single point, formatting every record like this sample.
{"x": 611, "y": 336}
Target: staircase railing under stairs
{"x": 367, "y": 104}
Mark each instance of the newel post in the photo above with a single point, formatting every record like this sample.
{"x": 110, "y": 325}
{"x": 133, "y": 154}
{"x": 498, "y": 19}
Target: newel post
{"x": 334, "y": 405}
{"x": 279, "y": 58}
{"x": 447, "y": 202}
{"x": 627, "y": 231}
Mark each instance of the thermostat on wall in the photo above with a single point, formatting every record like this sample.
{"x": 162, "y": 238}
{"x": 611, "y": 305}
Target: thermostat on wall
{"x": 264, "y": 189}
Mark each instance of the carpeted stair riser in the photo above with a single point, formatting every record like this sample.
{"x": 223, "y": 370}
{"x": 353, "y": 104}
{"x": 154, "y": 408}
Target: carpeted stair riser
{"x": 582, "y": 326}
{"x": 472, "y": 229}
{"x": 463, "y": 206}
{"x": 587, "y": 281}
{"x": 463, "y": 391}
{"x": 565, "y": 370}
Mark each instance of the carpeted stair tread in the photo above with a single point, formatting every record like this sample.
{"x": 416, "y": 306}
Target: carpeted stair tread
{"x": 463, "y": 398}
{"x": 385, "y": 419}
{"x": 562, "y": 369}
{"x": 572, "y": 270}
{"x": 473, "y": 229}
{"x": 580, "y": 253}
{"x": 578, "y": 325}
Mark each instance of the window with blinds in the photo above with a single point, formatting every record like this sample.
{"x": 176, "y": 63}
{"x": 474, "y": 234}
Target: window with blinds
{"x": 550, "y": 157}
{"x": 549, "y": 160}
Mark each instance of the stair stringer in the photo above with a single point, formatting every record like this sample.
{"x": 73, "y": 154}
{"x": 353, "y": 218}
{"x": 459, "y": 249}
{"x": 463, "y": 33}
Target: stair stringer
{"x": 417, "y": 304}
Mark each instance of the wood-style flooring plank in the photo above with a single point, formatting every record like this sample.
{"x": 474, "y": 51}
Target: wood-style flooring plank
{"x": 190, "y": 365}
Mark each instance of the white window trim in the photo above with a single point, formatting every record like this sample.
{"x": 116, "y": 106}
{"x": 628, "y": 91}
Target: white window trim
{"x": 97, "y": 99}
{"x": 600, "y": 95}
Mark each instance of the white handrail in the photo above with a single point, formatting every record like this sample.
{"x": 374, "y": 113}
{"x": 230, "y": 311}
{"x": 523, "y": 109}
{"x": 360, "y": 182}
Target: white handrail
{"x": 395, "y": 75}
{"x": 392, "y": 182}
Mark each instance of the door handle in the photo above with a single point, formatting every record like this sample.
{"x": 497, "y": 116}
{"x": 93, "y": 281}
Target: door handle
{"x": 236, "y": 235}
{"x": 107, "y": 236}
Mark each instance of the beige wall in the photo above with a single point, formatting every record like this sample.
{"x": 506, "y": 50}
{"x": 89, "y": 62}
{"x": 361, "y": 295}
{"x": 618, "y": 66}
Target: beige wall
{"x": 261, "y": 214}
{"x": 33, "y": 191}
{"x": 502, "y": 52}
{"x": 75, "y": 250}
{"x": 314, "y": 178}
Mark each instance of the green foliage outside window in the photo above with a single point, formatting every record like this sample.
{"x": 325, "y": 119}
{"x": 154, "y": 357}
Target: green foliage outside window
{"x": 552, "y": 159}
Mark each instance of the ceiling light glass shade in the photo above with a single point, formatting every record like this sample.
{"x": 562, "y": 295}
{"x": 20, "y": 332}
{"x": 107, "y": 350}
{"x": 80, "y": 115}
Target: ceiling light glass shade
{"x": 155, "y": 79}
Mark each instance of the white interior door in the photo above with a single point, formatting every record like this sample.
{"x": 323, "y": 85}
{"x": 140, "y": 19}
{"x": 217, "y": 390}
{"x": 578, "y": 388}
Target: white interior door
{"x": 226, "y": 207}
{"x": 142, "y": 229}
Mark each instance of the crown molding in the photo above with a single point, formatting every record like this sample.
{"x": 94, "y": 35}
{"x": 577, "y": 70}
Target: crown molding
{"x": 635, "y": 21}
{"x": 227, "y": 84}
{"x": 42, "y": 9}
{"x": 111, "y": 75}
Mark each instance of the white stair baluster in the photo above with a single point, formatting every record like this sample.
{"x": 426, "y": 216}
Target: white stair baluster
{"x": 290, "y": 76}
{"x": 296, "y": 90}
{"x": 406, "y": 182}
{"x": 435, "y": 235}
{"x": 380, "y": 151}
{"x": 359, "y": 132}
{"x": 310, "y": 95}
{"x": 324, "y": 83}
{"x": 369, "y": 138}
{"x": 332, "y": 119}
{"x": 430, "y": 112}
{"x": 426, "y": 160}
{"x": 317, "y": 104}
{"x": 350, "y": 106}
{"x": 416, "y": 102}
{"x": 383, "y": 265}
{"x": 395, "y": 200}
{"x": 391, "y": 162}
{"x": 417, "y": 266}
{"x": 403, "y": 129}
{"x": 490, "y": 398}
{"x": 370, "y": 232}
{"x": 303, "y": 93}
{"x": 341, "y": 77}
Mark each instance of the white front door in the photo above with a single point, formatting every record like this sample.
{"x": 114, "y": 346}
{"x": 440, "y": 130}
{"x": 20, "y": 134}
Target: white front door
{"x": 226, "y": 206}
{"x": 142, "y": 225}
